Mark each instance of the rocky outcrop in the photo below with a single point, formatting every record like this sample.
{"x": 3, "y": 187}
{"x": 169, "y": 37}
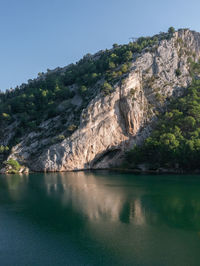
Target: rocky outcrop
{"x": 9, "y": 169}
{"x": 112, "y": 124}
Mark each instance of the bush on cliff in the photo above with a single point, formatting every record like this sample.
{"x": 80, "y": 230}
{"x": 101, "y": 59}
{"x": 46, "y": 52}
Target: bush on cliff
{"x": 13, "y": 166}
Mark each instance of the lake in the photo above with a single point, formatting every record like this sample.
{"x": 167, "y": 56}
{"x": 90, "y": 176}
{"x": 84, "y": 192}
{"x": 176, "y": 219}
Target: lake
{"x": 99, "y": 218}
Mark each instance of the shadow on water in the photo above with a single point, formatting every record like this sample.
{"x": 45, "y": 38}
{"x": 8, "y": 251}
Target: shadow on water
{"x": 110, "y": 218}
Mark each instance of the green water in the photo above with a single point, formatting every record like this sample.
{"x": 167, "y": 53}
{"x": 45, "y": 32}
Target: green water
{"x": 99, "y": 218}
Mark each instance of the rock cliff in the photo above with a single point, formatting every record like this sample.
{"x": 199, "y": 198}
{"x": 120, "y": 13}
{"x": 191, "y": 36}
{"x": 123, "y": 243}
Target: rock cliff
{"x": 112, "y": 124}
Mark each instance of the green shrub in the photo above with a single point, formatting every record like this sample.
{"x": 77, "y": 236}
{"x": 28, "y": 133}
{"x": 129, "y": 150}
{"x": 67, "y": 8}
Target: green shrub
{"x": 5, "y": 116}
{"x": 124, "y": 68}
{"x": 132, "y": 92}
{"x": 106, "y": 88}
{"x": 60, "y": 137}
{"x": 14, "y": 164}
{"x": 83, "y": 90}
{"x": 171, "y": 30}
{"x": 177, "y": 72}
{"x": 57, "y": 139}
{"x": 4, "y": 149}
{"x": 71, "y": 128}
{"x": 111, "y": 65}
{"x": 128, "y": 56}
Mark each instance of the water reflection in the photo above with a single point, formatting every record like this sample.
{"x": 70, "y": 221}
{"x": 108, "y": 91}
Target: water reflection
{"x": 86, "y": 195}
{"x": 16, "y": 186}
{"x": 126, "y": 199}
{"x": 135, "y": 201}
{"x": 113, "y": 219}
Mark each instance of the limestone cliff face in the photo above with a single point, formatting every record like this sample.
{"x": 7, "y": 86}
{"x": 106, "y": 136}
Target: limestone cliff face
{"x": 106, "y": 127}
{"x": 111, "y": 124}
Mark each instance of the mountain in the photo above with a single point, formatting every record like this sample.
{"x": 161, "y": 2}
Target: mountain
{"x": 100, "y": 112}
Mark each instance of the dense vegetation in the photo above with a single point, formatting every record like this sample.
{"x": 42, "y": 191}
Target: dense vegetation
{"x": 38, "y": 100}
{"x": 13, "y": 166}
{"x": 175, "y": 142}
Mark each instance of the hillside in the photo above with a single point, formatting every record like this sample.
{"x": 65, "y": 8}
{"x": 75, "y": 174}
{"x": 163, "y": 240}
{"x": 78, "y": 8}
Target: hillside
{"x": 89, "y": 114}
{"x": 175, "y": 141}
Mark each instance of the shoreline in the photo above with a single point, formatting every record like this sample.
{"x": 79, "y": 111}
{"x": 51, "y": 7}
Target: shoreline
{"x": 159, "y": 171}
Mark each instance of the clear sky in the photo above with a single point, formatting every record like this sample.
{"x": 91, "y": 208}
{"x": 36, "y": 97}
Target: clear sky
{"x": 40, "y": 34}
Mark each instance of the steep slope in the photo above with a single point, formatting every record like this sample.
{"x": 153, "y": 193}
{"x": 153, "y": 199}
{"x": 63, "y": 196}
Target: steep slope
{"x": 174, "y": 142}
{"x": 113, "y": 118}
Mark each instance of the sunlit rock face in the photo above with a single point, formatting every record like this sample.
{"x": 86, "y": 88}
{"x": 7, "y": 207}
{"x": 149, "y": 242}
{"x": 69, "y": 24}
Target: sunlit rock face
{"x": 111, "y": 125}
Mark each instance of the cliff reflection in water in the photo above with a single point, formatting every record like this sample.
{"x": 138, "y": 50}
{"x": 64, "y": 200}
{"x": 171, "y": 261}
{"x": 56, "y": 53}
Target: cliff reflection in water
{"x": 117, "y": 219}
{"x": 138, "y": 200}
{"x": 93, "y": 198}
{"x": 134, "y": 200}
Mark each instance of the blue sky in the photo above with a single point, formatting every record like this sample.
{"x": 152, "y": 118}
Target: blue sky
{"x": 40, "y": 34}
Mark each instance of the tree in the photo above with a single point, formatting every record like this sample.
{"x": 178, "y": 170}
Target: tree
{"x": 115, "y": 45}
{"x": 168, "y": 141}
{"x": 106, "y": 88}
{"x": 124, "y": 68}
{"x": 189, "y": 123}
{"x": 3, "y": 149}
{"x": 83, "y": 89}
{"x": 6, "y": 116}
{"x": 128, "y": 56}
{"x": 111, "y": 65}
{"x": 171, "y": 30}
